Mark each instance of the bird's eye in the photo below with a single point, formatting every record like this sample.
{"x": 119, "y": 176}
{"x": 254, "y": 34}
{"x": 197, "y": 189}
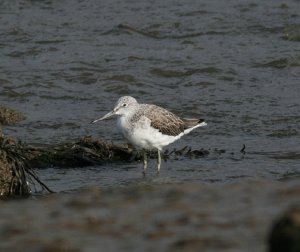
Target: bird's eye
{"x": 124, "y": 105}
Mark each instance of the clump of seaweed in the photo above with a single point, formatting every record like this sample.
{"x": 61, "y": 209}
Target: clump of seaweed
{"x": 86, "y": 151}
{"x": 10, "y": 116}
{"x": 187, "y": 152}
{"x": 15, "y": 172}
{"x": 89, "y": 151}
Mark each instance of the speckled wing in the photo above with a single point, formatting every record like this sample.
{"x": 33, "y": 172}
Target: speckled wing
{"x": 165, "y": 121}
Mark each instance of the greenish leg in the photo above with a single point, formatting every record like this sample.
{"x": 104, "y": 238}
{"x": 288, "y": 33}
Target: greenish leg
{"x": 158, "y": 161}
{"x": 145, "y": 162}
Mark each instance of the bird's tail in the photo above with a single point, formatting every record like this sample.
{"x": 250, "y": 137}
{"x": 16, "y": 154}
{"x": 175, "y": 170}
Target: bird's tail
{"x": 190, "y": 123}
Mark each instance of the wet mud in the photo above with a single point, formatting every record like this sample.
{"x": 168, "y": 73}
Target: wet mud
{"x": 168, "y": 217}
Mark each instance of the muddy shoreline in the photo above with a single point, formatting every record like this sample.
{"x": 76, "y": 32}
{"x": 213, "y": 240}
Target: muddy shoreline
{"x": 165, "y": 217}
{"x": 184, "y": 217}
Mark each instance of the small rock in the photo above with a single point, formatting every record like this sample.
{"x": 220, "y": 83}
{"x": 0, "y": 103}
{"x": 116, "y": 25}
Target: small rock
{"x": 285, "y": 233}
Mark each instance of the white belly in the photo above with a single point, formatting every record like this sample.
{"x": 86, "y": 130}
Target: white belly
{"x": 143, "y": 136}
{"x": 150, "y": 138}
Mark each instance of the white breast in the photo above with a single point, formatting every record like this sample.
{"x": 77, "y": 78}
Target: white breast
{"x": 143, "y": 136}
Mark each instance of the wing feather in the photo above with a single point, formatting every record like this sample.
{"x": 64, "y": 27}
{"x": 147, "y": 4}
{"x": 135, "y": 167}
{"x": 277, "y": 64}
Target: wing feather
{"x": 165, "y": 121}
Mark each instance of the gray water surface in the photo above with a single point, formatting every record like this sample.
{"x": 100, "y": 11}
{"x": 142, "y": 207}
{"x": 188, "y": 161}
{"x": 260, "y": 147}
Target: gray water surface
{"x": 233, "y": 63}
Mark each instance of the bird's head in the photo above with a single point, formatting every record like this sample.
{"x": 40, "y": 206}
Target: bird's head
{"x": 124, "y": 106}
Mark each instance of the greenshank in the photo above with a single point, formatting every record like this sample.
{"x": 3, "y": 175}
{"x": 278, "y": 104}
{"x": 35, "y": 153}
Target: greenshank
{"x": 150, "y": 127}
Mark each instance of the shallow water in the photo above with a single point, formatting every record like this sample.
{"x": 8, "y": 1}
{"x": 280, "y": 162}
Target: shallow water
{"x": 233, "y": 63}
{"x": 65, "y": 64}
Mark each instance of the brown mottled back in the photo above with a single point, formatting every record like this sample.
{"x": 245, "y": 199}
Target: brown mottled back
{"x": 163, "y": 120}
